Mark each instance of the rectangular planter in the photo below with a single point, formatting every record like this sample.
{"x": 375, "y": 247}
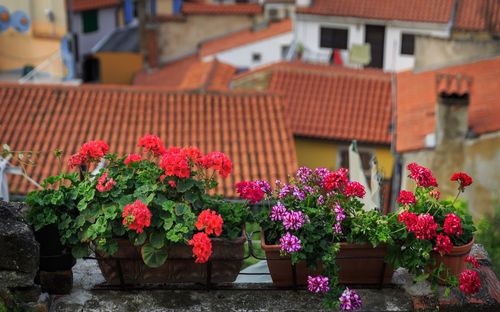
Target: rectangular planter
{"x": 359, "y": 264}
{"x": 225, "y": 264}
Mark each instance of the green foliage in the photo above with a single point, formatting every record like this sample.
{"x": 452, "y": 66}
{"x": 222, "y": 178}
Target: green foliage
{"x": 489, "y": 236}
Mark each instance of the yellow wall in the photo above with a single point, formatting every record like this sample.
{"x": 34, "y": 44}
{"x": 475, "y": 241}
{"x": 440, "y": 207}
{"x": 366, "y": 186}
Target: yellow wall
{"x": 321, "y": 153}
{"x": 119, "y": 67}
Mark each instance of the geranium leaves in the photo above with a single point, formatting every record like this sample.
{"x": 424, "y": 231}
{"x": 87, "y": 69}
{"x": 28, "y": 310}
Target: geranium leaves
{"x": 153, "y": 257}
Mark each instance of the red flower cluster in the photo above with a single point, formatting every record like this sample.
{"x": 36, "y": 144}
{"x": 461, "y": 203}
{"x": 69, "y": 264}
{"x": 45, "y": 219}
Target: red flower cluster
{"x": 469, "y": 282}
{"x": 104, "y": 184}
{"x": 202, "y": 247}
{"x": 153, "y": 144}
{"x": 89, "y": 152}
{"x": 192, "y": 153}
{"x": 423, "y": 225}
{"x": 250, "y": 190}
{"x": 354, "y": 188}
{"x": 175, "y": 163}
{"x": 136, "y": 216}
{"x": 132, "y": 158}
{"x": 473, "y": 261}
{"x": 423, "y": 176}
{"x": 443, "y": 244}
{"x": 406, "y": 198}
{"x": 336, "y": 180}
{"x": 463, "y": 179}
{"x": 452, "y": 225}
{"x": 172, "y": 184}
{"x": 210, "y": 221}
{"x": 217, "y": 161}
{"x": 435, "y": 194}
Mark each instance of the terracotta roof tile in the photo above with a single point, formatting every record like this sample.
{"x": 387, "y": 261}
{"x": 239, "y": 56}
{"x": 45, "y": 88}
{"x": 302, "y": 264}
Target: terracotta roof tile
{"x": 250, "y": 128}
{"x": 244, "y": 37}
{"x": 459, "y": 85}
{"x": 478, "y": 15}
{"x": 187, "y": 74}
{"x": 417, "y": 96}
{"x": 333, "y": 102}
{"x": 203, "y": 8}
{"x": 84, "y": 5}
{"x": 430, "y": 11}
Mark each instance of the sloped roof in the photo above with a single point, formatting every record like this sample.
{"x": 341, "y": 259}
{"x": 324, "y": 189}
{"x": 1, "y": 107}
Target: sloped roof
{"x": 123, "y": 39}
{"x": 187, "y": 74}
{"x": 250, "y": 128}
{"x": 84, "y": 5}
{"x": 205, "y": 8}
{"x": 333, "y": 102}
{"x": 244, "y": 37}
{"x": 417, "y": 97}
{"x": 429, "y": 11}
{"x": 478, "y": 15}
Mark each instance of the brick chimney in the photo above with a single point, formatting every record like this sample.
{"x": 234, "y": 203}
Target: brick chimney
{"x": 452, "y": 122}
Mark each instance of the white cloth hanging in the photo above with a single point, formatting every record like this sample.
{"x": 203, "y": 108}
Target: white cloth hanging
{"x": 356, "y": 174}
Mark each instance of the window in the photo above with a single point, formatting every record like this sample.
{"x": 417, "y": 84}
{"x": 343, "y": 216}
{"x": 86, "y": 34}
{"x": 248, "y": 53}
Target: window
{"x": 284, "y": 51}
{"x": 407, "y": 44}
{"x": 333, "y": 38}
{"x": 256, "y": 57}
{"x": 90, "y": 20}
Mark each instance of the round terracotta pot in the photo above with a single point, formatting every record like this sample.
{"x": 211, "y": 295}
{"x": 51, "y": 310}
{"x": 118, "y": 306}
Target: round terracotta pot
{"x": 455, "y": 260}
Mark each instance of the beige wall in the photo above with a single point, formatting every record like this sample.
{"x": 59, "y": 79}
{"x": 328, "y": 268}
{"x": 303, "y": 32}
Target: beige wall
{"x": 480, "y": 158}
{"x": 431, "y": 53}
{"x": 112, "y": 66}
{"x": 179, "y": 38}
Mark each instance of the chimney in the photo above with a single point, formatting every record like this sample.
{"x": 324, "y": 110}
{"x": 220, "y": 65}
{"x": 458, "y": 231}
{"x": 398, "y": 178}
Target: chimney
{"x": 452, "y": 122}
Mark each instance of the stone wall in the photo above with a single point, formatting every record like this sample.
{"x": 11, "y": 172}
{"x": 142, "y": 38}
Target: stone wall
{"x": 479, "y": 157}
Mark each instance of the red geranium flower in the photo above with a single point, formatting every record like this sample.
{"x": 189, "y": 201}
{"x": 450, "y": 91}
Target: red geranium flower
{"x": 192, "y": 153}
{"x": 469, "y": 282}
{"x": 423, "y": 176}
{"x": 210, "y": 221}
{"x": 409, "y": 219}
{"x": 132, "y": 158}
{"x": 425, "y": 227}
{"x": 175, "y": 164}
{"x": 473, "y": 261}
{"x": 153, "y": 144}
{"x": 463, "y": 179}
{"x": 336, "y": 180}
{"x": 406, "y": 198}
{"x": 435, "y": 194}
{"x": 250, "y": 190}
{"x": 443, "y": 244}
{"x": 354, "y": 188}
{"x": 90, "y": 151}
{"x": 104, "y": 184}
{"x": 217, "y": 161}
{"x": 202, "y": 247}
{"x": 136, "y": 216}
{"x": 172, "y": 184}
{"x": 452, "y": 225}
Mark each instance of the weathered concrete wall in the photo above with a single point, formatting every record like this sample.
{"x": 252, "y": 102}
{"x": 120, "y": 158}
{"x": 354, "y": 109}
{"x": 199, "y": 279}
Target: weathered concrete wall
{"x": 480, "y": 158}
{"x": 181, "y": 37}
{"x": 433, "y": 52}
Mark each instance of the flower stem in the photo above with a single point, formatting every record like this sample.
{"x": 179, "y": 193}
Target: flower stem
{"x": 456, "y": 197}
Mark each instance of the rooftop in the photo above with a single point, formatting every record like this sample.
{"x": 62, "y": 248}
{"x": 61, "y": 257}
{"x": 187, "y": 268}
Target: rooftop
{"x": 84, "y": 5}
{"x": 250, "y": 128}
{"x": 205, "y": 8}
{"x": 478, "y": 15}
{"x": 417, "y": 96}
{"x": 333, "y": 102}
{"x": 244, "y": 37}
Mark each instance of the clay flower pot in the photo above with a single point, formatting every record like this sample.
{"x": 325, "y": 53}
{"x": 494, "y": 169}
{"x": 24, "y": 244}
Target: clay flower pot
{"x": 359, "y": 264}
{"x": 455, "y": 260}
{"x": 225, "y": 264}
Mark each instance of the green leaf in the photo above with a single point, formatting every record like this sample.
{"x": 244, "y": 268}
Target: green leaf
{"x": 168, "y": 206}
{"x": 80, "y": 251}
{"x": 157, "y": 240}
{"x": 140, "y": 239}
{"x": 181, "y": 208}
{"x": 153, "y": 257}
{"x": 184, "y": 184}
{"x": 168, "y": 223}
{"x": 447, "y": 291}
{"x": 421, "y": 277}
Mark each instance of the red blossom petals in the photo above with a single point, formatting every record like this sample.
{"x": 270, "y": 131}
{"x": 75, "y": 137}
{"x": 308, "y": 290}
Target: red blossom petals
{"x": 452, "y": 225}
{"x": 443, "y": 244}
{"x": 354, "y": 188}
{"x": 469, "y": 282}
{"x": 210, "y": 221}
{"x": 202, "y": 247}
{"x": 423, "y": 176}
{"x": 217, "y": 161}
{"x": 336, "y": 180}
{"x": 472, "y": 260}
{"x": 132, "y": 158}
{"x": 104, "y": 184}
{"x": 423, "y": 225}
{"x": 91, "y": 151}
{"x": 153, "y": 144}
{"x": 250, "y": 190}
{"x": 176, "y": 164}
{"x": 462, "y": 178}
{"x": 136, "y": 216}
{"x": 406, "y": 198}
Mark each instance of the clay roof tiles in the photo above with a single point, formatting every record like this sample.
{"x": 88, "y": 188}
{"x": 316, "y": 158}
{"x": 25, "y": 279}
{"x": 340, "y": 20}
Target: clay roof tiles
{"x": 250, "y": 128}
{"x": 417, "y": 97}
{"x": 430, "y": 11}
{"x": 84, "y": 5}
{"x": 478, "y": 15}
{"x": 205, "y": 8}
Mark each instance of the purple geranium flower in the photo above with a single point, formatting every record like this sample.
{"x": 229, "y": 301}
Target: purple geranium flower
{"x": 290, "y": 243}
{"x": 318, "y": 284}
{"x": 298, "y": 193}
{"x": 277, "y": 212}
{"x": 340, "y": 214}
{"x": 293, "y": 220}
{"x": 337, "y": 228}
{"x": 321, "y": 173}
{"x": 349, "y": 300}
{"x": 264, "y": 186}
{"x": 321, "y": 200}
{"x": 303, "y": 174}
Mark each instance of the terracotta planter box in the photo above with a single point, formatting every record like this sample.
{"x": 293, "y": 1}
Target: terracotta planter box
{"x": 359, "y": 264}
{"x": 225, "y": 264}
{"x": 455, "y": 260}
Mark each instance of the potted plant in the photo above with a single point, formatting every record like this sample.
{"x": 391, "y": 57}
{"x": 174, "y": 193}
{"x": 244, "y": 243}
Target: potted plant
{"x": 433, "y": 237}
{"x": 315, "y": 232}
{"x": 150, "y": 218}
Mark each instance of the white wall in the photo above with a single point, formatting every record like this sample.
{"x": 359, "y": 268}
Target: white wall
{"x": 269, "y": 49}
{"x": 307, "y": 31}
{"x": 107, "y": 23}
